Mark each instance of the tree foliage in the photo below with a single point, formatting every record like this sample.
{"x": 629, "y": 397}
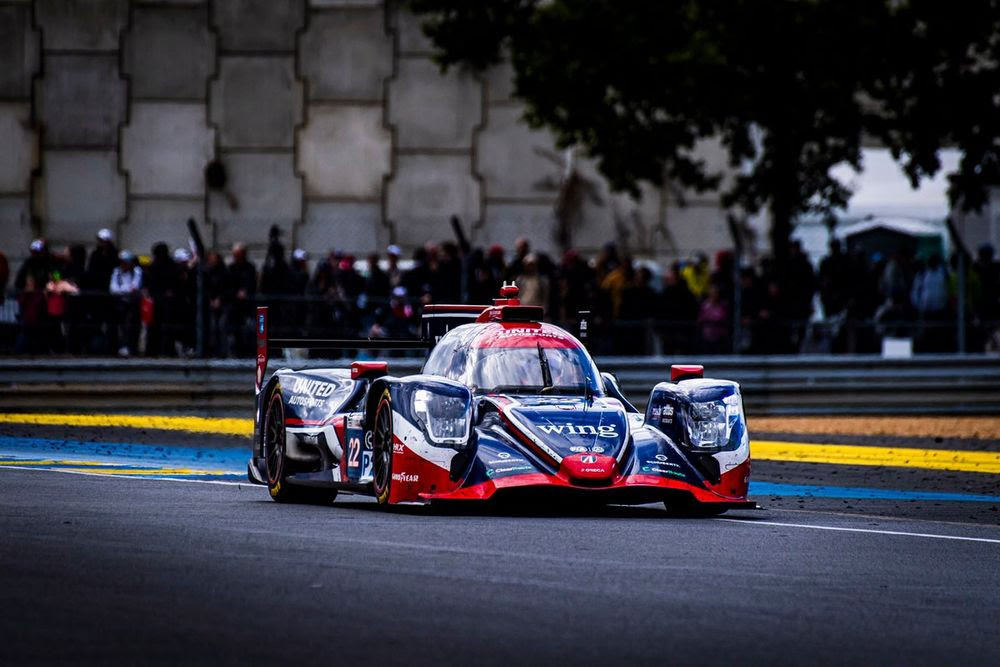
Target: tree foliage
{"x": 790, "y": 87}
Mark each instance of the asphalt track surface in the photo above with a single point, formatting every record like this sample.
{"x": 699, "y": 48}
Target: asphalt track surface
{"x": 97, "y": 569}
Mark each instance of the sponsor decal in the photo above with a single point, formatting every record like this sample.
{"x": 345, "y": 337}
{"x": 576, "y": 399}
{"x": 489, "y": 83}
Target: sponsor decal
{"x": 366, "y": 464}
{"x": 668, "y": 414}
{"x": 662, "y": 471}
{"x": 315, "y": 388}
{"x": 597, "y": 448}
{"x": 368, "y": 440}
{"x": 655, "y": 412}
{"x": 491, "y": 472}
{"x": 503, "y": 458}
{"x": 589, "y": 458}
{"x": 405, "y": 477}
{"x": 306, "y": 401}
{"x": 534, "y": 333}
{"x": 663, "y": 460}
{"x": 603, "y": 431}
{"x": 577, "y": 449}
{"x": 260, "y": 324}
{"x": 600, "y": 470}
{"x": 397, "y": 448}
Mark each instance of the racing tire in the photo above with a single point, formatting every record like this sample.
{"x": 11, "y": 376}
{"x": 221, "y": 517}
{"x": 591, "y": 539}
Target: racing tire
{"x": 382, "y": 449}
{"x": 277, "y": 464}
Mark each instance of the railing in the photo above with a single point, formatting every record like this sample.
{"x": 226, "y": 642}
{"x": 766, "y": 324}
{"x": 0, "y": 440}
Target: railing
{"x": 100, "y": 324}
{"x": 930, "y": 384}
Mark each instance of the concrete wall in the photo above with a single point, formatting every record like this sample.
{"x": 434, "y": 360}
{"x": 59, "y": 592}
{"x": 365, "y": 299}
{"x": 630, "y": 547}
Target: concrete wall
{"x": 329, "y": 118}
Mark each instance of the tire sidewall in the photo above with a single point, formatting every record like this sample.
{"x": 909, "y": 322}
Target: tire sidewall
{"x": 275, "y": 482}
{"x": 385, "y": 403}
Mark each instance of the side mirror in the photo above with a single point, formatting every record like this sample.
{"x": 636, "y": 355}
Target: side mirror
{"x": 612, "y": 389}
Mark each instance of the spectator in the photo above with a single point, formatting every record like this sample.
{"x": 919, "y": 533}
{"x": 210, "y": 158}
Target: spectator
{"x": 298, "y": 278}
{"x": 275, "y": 276}
{"x": 216, "y": 282}
{"x": 676, "y": 312}
{"x": 929, "y": 296}
{"x": 75, "y": 269}
{"x": 896, "y": 276}
{"x": 38, "y": 265}
{"x": 58, "y": 294}
{"x": 377, "y": 285}
{"x": 714, "y": 322}
{"x": 240, "y": 293}
{"x": 987, "y": 308}
{"x": 534, "y": 287}
{"x": 722, "y": 277}
{"x": 480, "y": 285}
{"x": 522, "y": 248}
{"x": 835, "y": 280}
{"x": 574, "y": 287}
{"x": 636, "y": 312}
{"x": 102, "y": 263}
{"x": 183, "y": 307}
{"x": 32, "y": 337}
{"x": 159, "y": 286}
{"x": 697, "y": 276}
{"x": 100, "y": 309}
{"x": 125, "y": 285}
{"x": 775, "y": 330}
{"x": 4, "y": 277}
{"x": 417, "y": 280}
{"x": 799, "y": 284}
{"x": 446, "y": 280}
{"x": 275, "y": 285}
{"x": 615, "y": 282}
{"x": 606, "y": 262}
{"x": 395, "y": 274}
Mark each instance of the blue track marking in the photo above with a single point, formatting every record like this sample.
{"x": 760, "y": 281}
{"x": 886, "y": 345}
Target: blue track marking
{"x": 863, "y": 493}
{"x": 230, "y": 465}
{"x": 125, "y": 458}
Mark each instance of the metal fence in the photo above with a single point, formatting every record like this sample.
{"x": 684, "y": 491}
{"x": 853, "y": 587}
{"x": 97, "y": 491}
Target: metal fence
{"x": 930, "y": 384}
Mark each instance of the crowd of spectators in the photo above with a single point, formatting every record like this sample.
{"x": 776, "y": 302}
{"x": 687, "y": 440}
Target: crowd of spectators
{"x": 112, "y": 302}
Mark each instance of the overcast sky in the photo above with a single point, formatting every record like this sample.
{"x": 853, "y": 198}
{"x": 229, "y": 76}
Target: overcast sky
{"x": 882, "y": 189}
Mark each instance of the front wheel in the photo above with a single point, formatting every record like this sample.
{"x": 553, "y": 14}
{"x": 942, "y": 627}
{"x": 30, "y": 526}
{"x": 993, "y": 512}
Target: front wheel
{"x": 278, "y": 465}
{"x": 382, "y": 449}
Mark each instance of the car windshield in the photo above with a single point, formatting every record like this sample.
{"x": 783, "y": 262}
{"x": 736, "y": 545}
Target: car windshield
{"x": 532, "y": 369}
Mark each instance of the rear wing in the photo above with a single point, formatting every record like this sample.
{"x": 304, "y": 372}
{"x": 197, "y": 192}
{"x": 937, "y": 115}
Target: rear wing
{"x": 265, "y": 344}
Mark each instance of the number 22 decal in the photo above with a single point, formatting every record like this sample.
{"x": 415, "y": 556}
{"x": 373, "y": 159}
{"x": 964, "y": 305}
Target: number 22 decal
{"x": 353, "y": 449}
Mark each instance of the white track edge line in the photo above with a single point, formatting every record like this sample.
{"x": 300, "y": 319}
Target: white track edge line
{"x": 862, "y": 530}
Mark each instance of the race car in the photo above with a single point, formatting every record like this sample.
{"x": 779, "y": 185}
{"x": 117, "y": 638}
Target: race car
{"x": 506, "y": 407}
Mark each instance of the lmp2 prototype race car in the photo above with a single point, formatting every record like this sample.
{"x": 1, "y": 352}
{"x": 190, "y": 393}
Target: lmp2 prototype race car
{"x": 506, "y": 407}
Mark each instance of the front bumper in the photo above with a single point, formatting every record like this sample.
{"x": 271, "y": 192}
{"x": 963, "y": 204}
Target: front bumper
{"x": 626, "y": 490}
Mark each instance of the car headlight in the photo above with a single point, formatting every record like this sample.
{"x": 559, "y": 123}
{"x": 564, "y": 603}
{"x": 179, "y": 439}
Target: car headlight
{"x": 446, "y": 419}
{"x": 710, "y": 424}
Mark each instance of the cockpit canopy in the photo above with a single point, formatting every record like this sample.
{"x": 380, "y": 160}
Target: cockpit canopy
{"x": 515, "y": 358}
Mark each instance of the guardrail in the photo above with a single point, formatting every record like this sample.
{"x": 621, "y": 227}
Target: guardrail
{"x": 932, "y": 384}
